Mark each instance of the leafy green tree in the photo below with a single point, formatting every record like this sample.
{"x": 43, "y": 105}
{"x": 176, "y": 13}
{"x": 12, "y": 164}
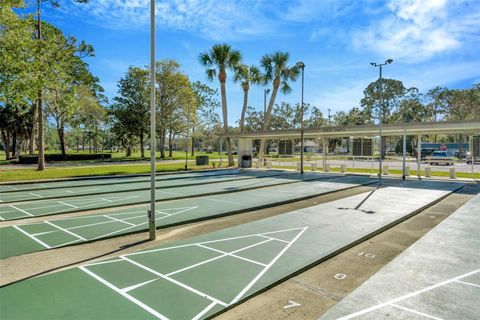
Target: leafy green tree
{"x": 216, "y": 61}
{"x": 133, "y": 98}
{"x": 246, "y": 75}
{"x": 49, "y": 53}
{"x": 206, "y": 120}
{"x": 174, "y": 98}
{"x": 276, "y": 71}
{"x": 390, "y": 95}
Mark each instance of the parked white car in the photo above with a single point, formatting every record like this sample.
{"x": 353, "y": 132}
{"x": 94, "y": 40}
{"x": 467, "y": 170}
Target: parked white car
{"x": 440, "y": 157}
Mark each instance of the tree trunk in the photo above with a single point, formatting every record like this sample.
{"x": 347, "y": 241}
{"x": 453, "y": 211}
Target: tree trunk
{"x": 6, "y": 144}
{"x": 170, "y": 148}
{"x": 41, "y": 139}
{"x": 128, "y": 151}
{"x": 193, "y": 141}
{"x": 142, "y": 149}
{"x": 61, "y": 137}
{"x": 162, "y": 144}
{"x": 14, "y": 145}
{"x": 223, "y": 77}
{"x": 31, "y": 144}
{"x": 244, "y": 109}
{"x": 266, "y": 122}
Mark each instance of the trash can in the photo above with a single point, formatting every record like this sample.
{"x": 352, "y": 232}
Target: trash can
{"x": 201, "y": 160}
{"x": 246, "y": 161}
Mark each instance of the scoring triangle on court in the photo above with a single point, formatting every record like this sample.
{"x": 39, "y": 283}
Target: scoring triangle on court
{"x": 191, "y": 271}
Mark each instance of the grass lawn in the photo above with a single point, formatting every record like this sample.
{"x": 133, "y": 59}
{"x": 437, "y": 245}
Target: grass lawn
{"x": 84, "y": 171}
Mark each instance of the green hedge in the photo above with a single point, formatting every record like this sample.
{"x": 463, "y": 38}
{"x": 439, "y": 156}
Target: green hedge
{"x": 29, "y": 159}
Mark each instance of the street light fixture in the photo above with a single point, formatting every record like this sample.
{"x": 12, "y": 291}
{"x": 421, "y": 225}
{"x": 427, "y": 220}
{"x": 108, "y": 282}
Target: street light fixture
{"x": 301, "y": 65}
{"x": 380, "y": 117}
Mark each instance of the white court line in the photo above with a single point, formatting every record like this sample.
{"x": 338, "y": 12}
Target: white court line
{"x": 201, "y": 313}
{"x": 285, "y": 241}
{"x": 416, "y": 312}
{"x": 196, "y": 265}
{"x": 225, "y": 201}
{"x": 211, "y": 241}
{"x": 178, "y": 283}
{"x": 118, "y": 220}
{"x": 32, "y": 237}
{"x": 65, "y": 230}
{"x": 21, "y": 210}
{"x": 137, "y": 225}
{"x": 138, "y": 285}
{"x": 409, "y": 295}
{"x": 67, "y": 204}
{"x": 239, "y": 296}
{"x": 35, "y": 195}
{"x": 223, "y": 254}
{"x": 103, "y": 262}
{"x": 124, "y": 294}
{"x": 232, "y": 254}
{"x": 66, "y": 243}
{"x": 468, "y": 283}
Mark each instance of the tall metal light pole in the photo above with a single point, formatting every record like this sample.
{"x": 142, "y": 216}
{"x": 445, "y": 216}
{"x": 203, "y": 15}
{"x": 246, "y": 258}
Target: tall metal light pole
{"x": 380, "y": 118}
{"x": 265, "y": 93}
{"x": 301, "y": 65}
{"x": 188, "y": 129}
{"x": 151, "y": 212}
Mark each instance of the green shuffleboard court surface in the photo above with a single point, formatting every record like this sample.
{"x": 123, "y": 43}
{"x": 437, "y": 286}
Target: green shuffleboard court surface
{"x": 95, "y": 181}
{"x": 90, "y": 202}
{"x": 201, "y": 276}
{"x": 27, "y": 238}
{"x": 170, "y": 181}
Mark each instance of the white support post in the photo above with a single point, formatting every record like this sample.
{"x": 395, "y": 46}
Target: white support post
{"x": 324, "y": 154}
{"x": 471, "y": 155}
{"x": 419, "y": 155}
{"x": 221, "y": 151}
{"x": 404, "y": 154}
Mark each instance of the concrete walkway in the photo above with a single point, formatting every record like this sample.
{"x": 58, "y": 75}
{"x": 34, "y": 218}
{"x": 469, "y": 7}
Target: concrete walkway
{"x": 438, "y": 277}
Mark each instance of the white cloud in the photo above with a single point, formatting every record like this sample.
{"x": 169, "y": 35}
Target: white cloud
{"x": 225, "y": 19}
{"x": 417, "y": 30}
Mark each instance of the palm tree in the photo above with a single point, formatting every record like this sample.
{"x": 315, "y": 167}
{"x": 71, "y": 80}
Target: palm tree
{"x": 216, "y": 61}
{"x": 247, "y": 75}
{"x": 279, "y": 73}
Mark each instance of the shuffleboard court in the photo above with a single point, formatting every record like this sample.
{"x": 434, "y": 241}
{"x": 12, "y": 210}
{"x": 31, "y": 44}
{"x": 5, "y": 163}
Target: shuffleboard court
{"x": 95, "y": 181}
{"x": 55, "y": 193}
{"x": 438, "y": 277}
{"x": 199, "y": 277}
{"x": 82, "y": 203}
{"x": 27, "y": 238}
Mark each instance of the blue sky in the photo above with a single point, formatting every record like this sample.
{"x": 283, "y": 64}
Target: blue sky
{"x": 432, "y": 42}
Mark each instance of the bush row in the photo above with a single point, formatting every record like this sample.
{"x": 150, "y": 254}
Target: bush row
{"x": 29, "y": 159}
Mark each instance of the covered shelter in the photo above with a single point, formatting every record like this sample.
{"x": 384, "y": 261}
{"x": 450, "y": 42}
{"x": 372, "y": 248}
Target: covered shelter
{"x": 470, "y": 128}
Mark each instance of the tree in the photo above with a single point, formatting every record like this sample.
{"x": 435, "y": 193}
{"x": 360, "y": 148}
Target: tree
{"x": 16, "y": 55}
{"x": 134, "y": 98}
{"x": 205, "y": 119}
{"x": 216, "y": 61}
{"x": 246, "y": 75}
{"x": 174, "y": 97}
{"x": 276, "y": 71}
{"x": 46, "y": 57}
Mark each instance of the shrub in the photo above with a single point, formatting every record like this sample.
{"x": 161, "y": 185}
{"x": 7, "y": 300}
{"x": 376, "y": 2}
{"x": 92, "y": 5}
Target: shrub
{"x": 30, "y": 159}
